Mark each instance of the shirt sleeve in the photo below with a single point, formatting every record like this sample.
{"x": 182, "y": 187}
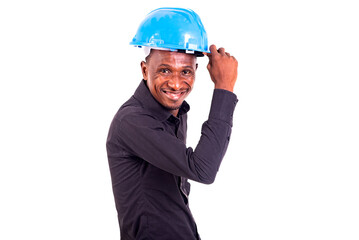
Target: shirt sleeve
{"x": 146, "y": 138}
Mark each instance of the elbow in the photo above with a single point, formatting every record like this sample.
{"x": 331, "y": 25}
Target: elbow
{"x": 205, "y": 170}
{"x": 208, "y": 179}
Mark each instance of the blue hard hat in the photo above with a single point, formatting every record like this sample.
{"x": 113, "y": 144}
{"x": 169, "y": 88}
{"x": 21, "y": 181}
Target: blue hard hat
{"x": 174, "y": 29}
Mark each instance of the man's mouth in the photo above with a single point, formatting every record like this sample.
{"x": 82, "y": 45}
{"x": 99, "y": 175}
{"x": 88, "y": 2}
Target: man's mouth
{"x": 173, "y": 95}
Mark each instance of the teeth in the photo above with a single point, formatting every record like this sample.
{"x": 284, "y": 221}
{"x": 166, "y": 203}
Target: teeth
{"x": 173, "y": 95}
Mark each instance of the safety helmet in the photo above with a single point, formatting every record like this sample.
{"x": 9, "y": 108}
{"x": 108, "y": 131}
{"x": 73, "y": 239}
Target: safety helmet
{"x": 174, "y": 29}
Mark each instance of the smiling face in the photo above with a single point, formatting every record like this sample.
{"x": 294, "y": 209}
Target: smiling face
{"x": 170, "y": 77}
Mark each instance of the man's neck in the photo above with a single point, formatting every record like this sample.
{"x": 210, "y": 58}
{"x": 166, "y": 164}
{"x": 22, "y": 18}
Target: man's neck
{"x": 174, "y": 112}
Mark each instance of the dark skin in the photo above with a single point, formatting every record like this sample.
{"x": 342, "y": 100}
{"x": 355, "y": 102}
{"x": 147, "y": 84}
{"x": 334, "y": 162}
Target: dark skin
{"x": 170, "y": 75}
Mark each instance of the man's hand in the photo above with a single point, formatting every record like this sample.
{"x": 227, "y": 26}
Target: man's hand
{"x": 222, "y": 68}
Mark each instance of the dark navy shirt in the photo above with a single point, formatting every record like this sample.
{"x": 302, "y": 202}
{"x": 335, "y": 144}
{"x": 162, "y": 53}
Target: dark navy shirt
{"x": 150, "y": 163}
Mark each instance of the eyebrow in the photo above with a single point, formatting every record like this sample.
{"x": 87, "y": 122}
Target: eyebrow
{"x": 166, "y": 65}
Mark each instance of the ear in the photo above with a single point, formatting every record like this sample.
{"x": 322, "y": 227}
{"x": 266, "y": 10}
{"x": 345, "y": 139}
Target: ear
{"x": 196, "y": 66}
{"x": 144, "y": 70}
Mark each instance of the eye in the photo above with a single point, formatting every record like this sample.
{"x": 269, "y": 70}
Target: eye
{"x": 164, "y": 70}
{"x": 187, "y": 72}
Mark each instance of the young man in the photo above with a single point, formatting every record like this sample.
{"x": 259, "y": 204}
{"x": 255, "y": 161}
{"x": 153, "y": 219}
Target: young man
{"x": 148, "y": 157}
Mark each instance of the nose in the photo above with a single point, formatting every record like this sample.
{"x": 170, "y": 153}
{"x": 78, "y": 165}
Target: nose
{"x": 174, "y": 83}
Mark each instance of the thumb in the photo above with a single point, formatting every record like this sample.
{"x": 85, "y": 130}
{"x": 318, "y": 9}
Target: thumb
{"x": 209, "y": 66}
{"x": 209, "y": 60}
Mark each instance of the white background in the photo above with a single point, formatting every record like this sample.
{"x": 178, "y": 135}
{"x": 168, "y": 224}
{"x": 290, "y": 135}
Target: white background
{"x": 291, "y": 169}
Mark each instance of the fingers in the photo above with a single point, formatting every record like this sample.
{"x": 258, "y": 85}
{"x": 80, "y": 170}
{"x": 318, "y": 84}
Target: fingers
{"x": 214, "y": 51}
{"x": 221, "y": 51}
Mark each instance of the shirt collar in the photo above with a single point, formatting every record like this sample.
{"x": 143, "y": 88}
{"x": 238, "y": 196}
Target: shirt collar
{"x": 144, "y": 95}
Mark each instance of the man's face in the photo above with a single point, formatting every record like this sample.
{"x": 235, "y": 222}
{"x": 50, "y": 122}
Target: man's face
{"x": 170, "y": 77}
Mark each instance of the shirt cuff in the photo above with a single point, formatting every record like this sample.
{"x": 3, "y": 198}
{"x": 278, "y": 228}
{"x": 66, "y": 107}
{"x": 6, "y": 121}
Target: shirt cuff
{"x": 223, "y": 105}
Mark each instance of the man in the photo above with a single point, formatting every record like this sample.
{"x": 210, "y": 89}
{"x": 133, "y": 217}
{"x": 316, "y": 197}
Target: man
{"x": 148, "y": 158}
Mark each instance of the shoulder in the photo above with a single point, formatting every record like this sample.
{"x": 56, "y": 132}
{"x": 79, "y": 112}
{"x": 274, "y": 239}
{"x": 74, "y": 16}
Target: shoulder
{"x": 133, "y": 115}
{"x": 130, "y": 121}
